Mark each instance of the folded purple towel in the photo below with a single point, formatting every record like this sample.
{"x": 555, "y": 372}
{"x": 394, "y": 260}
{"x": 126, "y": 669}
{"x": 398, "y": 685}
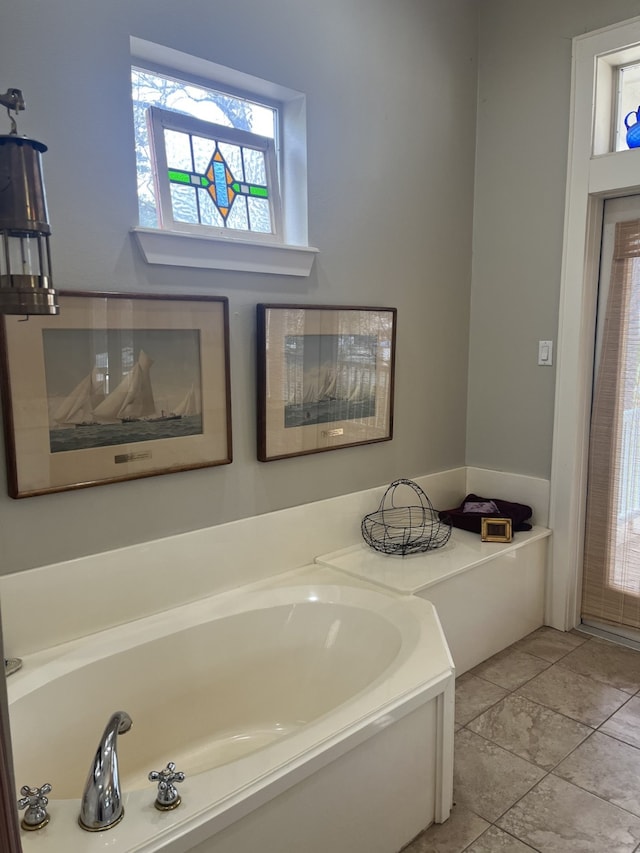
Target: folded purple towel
{"x": 471, "y": 519}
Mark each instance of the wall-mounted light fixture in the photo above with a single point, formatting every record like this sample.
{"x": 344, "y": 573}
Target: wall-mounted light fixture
{"x": 25, "y": 258}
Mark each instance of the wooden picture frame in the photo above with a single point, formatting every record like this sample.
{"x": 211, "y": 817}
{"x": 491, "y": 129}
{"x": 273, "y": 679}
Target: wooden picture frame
{"x": 496, "y": 530}
{"x": 118, "y": 386}
{"x": 325, "y": 378}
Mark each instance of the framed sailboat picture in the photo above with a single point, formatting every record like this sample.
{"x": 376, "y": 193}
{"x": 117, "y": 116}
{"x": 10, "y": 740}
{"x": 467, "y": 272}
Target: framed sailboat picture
{"x": 118, "y": 386}
{"x": 325, "y": 378}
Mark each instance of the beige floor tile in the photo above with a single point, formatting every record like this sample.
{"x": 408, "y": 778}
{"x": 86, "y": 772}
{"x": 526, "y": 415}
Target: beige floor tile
{"x": 531, "y": 731}
{"x": 549, "y": 644}
{"x": 488, "y": 779}
{"x": 494, "y": 840}
{"x": 452, "y": 836}
{"x": 574, "y": 695}
{"x": 475, "y": 695}
{"x": 625, "y": 723}
{"x": 510, "y": 668}
{"x": 608, "y": 663}
{"x": 607, "y": 768}
{"x": 557, "y": 817}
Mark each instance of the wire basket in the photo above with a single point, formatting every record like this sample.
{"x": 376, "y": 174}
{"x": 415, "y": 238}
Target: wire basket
{"x": 404, "y": 529}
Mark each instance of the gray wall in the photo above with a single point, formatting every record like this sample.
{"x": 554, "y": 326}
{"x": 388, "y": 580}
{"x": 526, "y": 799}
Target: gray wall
{"x": 521, "y": 160}
{"x": 391, "y": 91}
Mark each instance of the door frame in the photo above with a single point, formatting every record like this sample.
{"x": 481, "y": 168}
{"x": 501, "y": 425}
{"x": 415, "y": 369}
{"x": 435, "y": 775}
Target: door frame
{"x": 593, "y": 174}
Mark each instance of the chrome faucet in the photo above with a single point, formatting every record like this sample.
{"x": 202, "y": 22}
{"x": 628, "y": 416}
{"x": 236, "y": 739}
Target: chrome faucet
{"x": 101, "y": 801}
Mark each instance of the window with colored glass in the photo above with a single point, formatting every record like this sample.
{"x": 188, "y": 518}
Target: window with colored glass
{"x": 206, "y": 160}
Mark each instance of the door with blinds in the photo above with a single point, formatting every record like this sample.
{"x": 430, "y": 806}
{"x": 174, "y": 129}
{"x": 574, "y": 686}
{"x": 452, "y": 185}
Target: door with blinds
{"x": 611, "y": 566}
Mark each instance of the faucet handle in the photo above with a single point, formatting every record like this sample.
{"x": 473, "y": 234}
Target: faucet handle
{"x": 168, "y": 796}
{"x": 12, "y": 665}
{"x": 35, "y": 801}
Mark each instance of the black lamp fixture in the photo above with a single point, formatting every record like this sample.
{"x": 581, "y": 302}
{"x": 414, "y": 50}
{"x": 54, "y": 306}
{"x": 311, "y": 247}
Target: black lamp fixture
{"x": 25, "y": 257}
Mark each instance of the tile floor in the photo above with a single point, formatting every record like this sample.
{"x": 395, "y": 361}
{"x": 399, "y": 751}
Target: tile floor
{"x": 547, "y": 751}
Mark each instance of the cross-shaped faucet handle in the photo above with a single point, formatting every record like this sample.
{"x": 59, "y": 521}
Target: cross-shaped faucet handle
{"x": 168, "y": 796}
{"x": 35, "y": 801}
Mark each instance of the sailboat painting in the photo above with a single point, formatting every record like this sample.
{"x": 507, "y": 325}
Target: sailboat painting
{"x": 116, "y": 386}
{"x": 325, "y": 377}
{"x": 329, "y": 378}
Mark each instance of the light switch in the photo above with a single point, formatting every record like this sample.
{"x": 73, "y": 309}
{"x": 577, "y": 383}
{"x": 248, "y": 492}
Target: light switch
{"x": 545, "y": 353}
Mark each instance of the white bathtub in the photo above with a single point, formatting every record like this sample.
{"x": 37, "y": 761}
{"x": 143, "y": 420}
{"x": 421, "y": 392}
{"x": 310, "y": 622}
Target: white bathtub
{"x": 310, "y": 716}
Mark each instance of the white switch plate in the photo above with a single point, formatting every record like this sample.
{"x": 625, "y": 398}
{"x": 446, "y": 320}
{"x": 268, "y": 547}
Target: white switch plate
{"x": 545, "y": 353}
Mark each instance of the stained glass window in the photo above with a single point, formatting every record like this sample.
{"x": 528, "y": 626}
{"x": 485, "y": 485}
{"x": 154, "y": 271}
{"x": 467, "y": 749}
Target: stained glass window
{"x": 223, "y": 185}
{"x": 214, "y": 176}
{"x": 194, "y": 201}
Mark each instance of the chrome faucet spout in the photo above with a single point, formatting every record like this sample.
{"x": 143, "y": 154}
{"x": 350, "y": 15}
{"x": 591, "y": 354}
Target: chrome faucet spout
{"x": 102, "y": 800}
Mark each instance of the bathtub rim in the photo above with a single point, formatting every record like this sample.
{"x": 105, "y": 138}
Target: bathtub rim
{"x": 40, "y": 666}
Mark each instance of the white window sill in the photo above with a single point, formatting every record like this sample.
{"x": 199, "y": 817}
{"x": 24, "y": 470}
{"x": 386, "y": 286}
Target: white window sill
{"x": 171, "y": 248}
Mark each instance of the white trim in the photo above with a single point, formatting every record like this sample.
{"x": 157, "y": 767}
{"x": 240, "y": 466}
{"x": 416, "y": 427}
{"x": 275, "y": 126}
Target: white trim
{"x": 173, "y": 249}
{"x": 445, "y": 727}
{"x": 236, "y": 82}
{"x": 589, "y": 180}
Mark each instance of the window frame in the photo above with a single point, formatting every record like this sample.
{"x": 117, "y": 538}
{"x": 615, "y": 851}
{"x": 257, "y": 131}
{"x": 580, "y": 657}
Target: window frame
{"x": 159, "y": 120}
{"x": 619, "y": 142}
{"x": 292, "y": 255}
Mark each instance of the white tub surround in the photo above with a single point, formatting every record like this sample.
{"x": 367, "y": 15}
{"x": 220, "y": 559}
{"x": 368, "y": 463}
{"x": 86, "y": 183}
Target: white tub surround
{"x": 487, "y": 594}
{"x": 314, "y": 712}
{"x": 159, "y": 575}
{"x": 103, "y": 590}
